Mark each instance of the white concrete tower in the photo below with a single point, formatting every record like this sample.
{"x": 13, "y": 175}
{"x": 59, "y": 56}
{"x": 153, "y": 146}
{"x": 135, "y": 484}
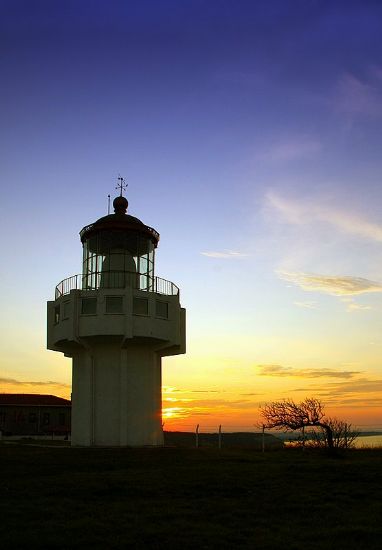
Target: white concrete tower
{"x": 117, "y": 320}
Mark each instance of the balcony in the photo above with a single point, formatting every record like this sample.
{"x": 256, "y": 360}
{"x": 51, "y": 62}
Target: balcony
{"x": 116, "y": 279}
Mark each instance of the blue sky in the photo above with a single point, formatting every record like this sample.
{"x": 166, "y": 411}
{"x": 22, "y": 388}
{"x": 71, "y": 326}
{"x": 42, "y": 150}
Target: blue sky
{"x": 250, "y": 135}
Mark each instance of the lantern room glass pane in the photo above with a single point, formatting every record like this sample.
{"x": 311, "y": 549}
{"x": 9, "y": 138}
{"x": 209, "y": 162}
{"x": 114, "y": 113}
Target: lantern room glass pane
{"x": 117, "y": 259}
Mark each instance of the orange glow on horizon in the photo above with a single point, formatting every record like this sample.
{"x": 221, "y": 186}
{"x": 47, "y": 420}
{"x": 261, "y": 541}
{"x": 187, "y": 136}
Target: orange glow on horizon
{"x": 183, "y": 409}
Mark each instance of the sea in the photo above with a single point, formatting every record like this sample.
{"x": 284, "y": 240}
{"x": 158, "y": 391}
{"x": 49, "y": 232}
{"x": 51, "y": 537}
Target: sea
{"x": 363, "y": 441}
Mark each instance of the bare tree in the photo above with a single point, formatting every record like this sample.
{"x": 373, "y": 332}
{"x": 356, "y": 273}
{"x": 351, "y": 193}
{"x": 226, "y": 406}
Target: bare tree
{"x": 288, "y": 415}
{"x": 344, "y": 435}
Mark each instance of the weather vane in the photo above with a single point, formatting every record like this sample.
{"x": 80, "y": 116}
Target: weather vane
{"x": 122, "y": 185}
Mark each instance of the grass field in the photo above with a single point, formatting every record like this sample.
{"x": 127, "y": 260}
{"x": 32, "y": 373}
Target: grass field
{"x": 59, "y": 497}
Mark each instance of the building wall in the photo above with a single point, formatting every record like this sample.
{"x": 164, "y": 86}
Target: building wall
{"x": 34, "y": 420}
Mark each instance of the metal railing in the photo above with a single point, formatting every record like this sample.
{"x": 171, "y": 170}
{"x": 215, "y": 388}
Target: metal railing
{"x": 116, "y": 279}
{"x": 149, "y": 229}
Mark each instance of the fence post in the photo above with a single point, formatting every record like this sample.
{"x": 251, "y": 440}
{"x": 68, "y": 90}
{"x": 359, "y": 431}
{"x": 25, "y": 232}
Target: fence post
{"x": 220, "y": 436}
{"x": 263, "y": 440}
{"x": 197, "y": 436}
{"x": 303, "y": 438}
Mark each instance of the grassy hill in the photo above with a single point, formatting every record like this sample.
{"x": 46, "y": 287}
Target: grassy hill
{"x": 62, "y": 498}
{"x": 228, "y": 440}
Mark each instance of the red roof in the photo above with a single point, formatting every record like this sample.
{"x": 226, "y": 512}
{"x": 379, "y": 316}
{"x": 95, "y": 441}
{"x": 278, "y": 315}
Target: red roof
{"x": 33, "y": 399}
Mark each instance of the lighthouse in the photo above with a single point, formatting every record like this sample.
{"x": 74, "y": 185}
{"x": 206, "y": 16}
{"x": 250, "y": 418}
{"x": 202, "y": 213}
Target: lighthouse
{"x": 116, "y": 321}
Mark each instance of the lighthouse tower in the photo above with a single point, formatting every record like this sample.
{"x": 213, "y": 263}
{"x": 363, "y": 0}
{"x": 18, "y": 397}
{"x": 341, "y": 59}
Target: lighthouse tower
{"x": 116, "y": 321}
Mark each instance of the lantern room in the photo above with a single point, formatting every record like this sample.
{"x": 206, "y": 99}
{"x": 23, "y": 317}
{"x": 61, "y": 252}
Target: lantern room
{"x": 118, "y": 251}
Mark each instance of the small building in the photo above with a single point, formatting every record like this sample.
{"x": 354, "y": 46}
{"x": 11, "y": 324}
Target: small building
{"x": 30, "y": 414}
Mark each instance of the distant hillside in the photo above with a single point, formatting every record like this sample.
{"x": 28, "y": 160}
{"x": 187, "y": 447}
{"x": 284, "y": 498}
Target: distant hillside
{"x": 229, "y": 440}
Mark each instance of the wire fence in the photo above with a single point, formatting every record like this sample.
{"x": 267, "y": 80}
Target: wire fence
{"x": 255, "y": 427}
{"x": 259, "y": 437}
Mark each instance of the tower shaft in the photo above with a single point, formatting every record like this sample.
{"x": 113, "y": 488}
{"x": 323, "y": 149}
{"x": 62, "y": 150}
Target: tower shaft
{"x": 117, "y": 396}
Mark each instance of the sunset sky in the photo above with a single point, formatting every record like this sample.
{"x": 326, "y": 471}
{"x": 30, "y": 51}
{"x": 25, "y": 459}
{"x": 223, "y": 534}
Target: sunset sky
{"x": 250, "y": 134}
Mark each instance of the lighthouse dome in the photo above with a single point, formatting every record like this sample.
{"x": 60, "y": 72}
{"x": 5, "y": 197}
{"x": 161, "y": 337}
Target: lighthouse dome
{"x": 120, "y": 221}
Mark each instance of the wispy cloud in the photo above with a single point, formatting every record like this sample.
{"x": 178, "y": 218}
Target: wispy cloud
{"x": 307, "y": 305}
{"x": 14, "y": 382}
{"x": 176, "y": 400}
{"x": 169, "y": 390}
{"x": 279, "y": 370}
{"x": 301, "y": 212}
{"x": 204, "y": 391}
{"x": 359, "y": 97}
{"x": 292, "y": 148}
{"x": 331, "y": 284}
{"x": 348, "y": 392}
{"x": 221, "y": 404}
{"x": 357, "y": 307}
{"x": 357, "y": 402}
{"x": 225, "y": 254}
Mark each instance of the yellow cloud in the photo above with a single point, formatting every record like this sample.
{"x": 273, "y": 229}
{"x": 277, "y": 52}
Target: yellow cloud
{"x": 279, "y": 370}
{"x": 307, "y": 304}
{"x": 331, "y": 284}
{"x": 345, "y": 393}
{"x": 357, "y": 307}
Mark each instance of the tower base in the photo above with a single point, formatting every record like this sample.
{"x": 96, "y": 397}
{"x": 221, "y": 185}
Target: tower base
{"x": 116, "y": 396}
